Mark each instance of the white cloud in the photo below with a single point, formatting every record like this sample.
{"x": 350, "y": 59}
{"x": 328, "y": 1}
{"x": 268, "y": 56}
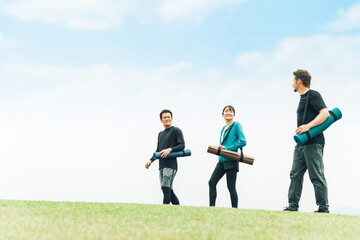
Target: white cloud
{"x": 324, "y": 55}
{"x": 110, "y": 14}
{"x": 347, "y": 19}
{"x": 2, "y": 42}
{"x": 190, "y": 9}
{"x": 6, "y": 43}
{"x": 79, "y": 14}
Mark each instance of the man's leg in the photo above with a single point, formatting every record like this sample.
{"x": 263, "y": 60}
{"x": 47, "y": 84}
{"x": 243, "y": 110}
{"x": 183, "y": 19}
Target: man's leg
{"x": 313, "y": 157}
{"x": 174, "y": 199}
{"x": 214, "y": 179}
{"x": 231, "y": 185}
{"x": 167, "y": 195}
{"x": 165, "y": 185}
{"x": 167, "y": 176}
{"x": 296, "y": 179}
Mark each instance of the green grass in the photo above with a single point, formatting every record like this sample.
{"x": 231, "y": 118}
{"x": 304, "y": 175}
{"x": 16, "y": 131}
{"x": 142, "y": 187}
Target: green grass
{"x": 67, "y": 220}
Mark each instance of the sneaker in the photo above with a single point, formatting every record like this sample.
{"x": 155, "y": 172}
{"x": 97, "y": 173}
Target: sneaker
{"x": 290, "y": 209}
{"x": 322, "y": 211}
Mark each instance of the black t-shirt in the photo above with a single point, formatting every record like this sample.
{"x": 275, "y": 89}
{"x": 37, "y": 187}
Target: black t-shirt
{"x": 315, "y": 104}
{"x": 170, "y": 138}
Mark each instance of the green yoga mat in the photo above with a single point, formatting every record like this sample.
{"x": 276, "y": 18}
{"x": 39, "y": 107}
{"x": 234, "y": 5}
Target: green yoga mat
{"x": 301, "y": 139}
{"x": 183, "y": 153}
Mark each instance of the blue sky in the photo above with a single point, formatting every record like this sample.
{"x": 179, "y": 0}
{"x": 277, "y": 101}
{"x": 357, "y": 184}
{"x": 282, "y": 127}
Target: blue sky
{"x": 212, "y": 40}
{"x": 82, "y": 83}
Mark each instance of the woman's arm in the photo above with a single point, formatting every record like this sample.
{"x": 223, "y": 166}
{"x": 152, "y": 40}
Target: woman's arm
{"x": 239, "y": 140}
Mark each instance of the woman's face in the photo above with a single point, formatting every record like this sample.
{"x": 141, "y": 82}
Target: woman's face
{"x": 228, "y": 114}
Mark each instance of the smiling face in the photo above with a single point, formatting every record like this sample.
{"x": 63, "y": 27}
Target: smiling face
{"x": 228, "y": 114}
{"x": 166, "y": 119}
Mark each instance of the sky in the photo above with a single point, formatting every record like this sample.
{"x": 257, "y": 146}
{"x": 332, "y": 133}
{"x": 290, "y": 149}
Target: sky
{"x": 83, "y": 83}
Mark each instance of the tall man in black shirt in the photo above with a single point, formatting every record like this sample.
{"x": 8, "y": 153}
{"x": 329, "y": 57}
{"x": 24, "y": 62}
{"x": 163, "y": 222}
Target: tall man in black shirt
{"x": 311, "y": 112}
{"x": 169, "y": 140}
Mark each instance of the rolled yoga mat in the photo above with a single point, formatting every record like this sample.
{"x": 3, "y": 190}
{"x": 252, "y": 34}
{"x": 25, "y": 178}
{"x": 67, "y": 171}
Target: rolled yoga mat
{"x": 301, "y": 139}
{"x": 231, "y": 155}
{"x": 183, "y": 153}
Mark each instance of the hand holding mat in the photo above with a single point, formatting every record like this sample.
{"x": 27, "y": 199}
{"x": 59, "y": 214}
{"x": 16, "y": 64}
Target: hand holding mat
{"x": 301, "y": 139}
{"x": 183, "y": 153}
{"x": 231, "y": 155}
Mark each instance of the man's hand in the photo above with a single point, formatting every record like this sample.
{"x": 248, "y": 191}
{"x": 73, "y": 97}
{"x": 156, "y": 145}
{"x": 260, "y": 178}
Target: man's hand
{"x": 147, "y": 165}
{"x": 165, "y": 152}
{"x": 220, "y": 146}
{"x": 302, "y": 129}
{"x": 320, "y": 118}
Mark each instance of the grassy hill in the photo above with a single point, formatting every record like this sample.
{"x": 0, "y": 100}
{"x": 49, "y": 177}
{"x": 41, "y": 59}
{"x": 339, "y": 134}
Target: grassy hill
{"x": 68, "y": 220}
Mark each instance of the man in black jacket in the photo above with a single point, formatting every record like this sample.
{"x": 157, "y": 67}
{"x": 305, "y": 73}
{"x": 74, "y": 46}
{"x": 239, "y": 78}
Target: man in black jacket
{"x": 169, "y": 140}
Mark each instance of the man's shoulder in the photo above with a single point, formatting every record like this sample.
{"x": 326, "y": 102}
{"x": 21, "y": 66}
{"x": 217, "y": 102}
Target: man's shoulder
{"x": 314, "y": 92}
{"x": 176, "y": 129}
{"x": 171, "y": 129}
{"x": 161, "y": 133}
{"x": 315, "y": 95}
{"x": 316, "y": 100}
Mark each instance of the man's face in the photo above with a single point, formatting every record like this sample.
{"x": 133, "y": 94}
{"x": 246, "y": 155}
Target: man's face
{"x": 296, "y": 85}
{"x": 166, "y": 120}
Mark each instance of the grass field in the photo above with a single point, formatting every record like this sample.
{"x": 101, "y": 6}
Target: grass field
{"x": 67, "y": 220}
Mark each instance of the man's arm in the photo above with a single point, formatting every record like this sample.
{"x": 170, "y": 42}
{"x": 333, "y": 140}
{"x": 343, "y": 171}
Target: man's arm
{"x": 180, "y": 142}
{"x": 148, "y": 163}
{"x": 180, "y": 145}
{"x": 320, "y": 118}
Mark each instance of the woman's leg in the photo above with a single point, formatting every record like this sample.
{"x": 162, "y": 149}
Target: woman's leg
{"x": 231, "y": 184}
{"x": 215, "y": 177}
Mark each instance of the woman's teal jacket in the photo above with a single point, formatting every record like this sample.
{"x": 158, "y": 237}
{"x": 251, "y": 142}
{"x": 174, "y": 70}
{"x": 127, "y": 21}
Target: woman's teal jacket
{"x": 235, "y": 140}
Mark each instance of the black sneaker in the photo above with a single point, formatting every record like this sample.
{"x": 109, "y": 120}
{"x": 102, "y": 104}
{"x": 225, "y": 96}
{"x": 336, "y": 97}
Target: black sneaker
{"x": 290, "y": 209}
{"x": 322, "y": 211}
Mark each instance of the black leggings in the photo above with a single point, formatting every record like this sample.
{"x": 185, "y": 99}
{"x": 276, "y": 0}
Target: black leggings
{"x": 169, "y": 196}
{"x": 231, "y": 184}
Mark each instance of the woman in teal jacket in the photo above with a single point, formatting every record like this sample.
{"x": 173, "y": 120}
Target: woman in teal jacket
{"x": 234, "y": 138}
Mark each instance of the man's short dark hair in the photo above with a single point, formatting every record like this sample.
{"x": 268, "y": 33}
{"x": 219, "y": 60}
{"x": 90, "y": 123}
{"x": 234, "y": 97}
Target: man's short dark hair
{"x": 229, "y": 106}
{"x": 165, "y": 111}
{"x": 304, "y": 76}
